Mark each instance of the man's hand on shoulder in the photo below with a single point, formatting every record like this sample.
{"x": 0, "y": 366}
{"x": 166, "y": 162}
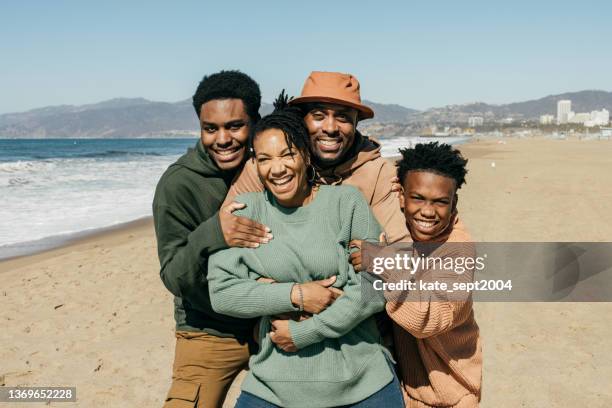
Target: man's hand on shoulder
{"x": 242, "y": 231}
{"x": 396, "y": 186}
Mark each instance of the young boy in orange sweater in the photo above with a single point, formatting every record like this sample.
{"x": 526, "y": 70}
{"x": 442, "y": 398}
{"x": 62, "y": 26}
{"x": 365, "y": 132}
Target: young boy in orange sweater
{"x": 437, "y": 342}
{"x": 436, "y": 338}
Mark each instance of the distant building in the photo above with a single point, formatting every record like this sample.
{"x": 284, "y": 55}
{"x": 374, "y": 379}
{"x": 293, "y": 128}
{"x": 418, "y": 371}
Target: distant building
{"x": 547, "y": 119}
{"x": 429, "y": 130}
{"x": 595, "y": 118}
{"x": 599, "y": 118}
{"x": 564, "y": 107}
{"x": 474, "y": 121}
{"x": 579, "y": 118}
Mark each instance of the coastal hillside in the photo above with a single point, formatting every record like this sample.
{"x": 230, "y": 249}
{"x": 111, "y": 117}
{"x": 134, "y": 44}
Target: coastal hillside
{"x": 132, "y": 117}
{"x": 138, "y": 117}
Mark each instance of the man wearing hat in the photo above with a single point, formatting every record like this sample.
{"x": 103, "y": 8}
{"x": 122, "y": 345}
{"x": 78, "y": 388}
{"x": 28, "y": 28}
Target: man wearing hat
{"x": 331, "y": 104}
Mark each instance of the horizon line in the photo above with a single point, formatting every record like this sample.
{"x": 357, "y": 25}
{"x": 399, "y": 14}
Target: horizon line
{"x": 270, "y": 103}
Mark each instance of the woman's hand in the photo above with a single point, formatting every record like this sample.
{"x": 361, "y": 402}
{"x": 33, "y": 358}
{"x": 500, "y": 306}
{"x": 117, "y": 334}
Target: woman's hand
{"x": 281, "y": 336}
{"x": 316, "y": 295}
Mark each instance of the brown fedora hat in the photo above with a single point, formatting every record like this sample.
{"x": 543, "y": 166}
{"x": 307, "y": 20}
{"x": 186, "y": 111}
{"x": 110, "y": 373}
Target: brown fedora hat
{"x": 333, "y": 87}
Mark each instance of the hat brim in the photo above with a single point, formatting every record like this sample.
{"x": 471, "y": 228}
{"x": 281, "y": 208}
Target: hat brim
{"x": 364, "y": 112}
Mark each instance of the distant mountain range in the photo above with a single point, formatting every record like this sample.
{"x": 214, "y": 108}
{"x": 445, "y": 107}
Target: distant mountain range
{"x": 120, "y": 117}
{"x": 138, "y": 117}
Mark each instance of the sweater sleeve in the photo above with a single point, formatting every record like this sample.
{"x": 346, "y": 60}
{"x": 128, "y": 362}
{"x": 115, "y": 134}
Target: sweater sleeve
{"x": 386, "y": 205}
{"x": 235, "y": 292}
{"x": 232, "y": 279}
{"x": 357, "y": 303}
{"x": 184, "y": 249}
{"x": 428, "y": 313}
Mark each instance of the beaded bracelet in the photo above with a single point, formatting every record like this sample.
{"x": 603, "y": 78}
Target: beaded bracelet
{"x": 301, "y": 305}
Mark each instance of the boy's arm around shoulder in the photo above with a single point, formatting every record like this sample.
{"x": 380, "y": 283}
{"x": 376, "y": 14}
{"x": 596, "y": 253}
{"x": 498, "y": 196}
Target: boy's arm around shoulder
{"x": 183, "y": 246}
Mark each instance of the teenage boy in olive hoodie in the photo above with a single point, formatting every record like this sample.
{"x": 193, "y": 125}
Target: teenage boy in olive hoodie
{"x": 190, "y": 224}
{"x": 211, "y": 348}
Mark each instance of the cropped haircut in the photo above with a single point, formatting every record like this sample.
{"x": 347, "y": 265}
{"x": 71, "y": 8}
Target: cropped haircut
{"x": 229, "y": 85}
{"x": 287, "y": 119}
{"x": 433, "y": 157}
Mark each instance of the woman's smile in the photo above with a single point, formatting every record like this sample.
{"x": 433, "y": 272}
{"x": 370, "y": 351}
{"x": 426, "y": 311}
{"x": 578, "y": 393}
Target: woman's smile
{"x": 282, "y": 185}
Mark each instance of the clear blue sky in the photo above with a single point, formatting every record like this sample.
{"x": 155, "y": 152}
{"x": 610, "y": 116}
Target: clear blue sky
{"x": 416, "y": 53}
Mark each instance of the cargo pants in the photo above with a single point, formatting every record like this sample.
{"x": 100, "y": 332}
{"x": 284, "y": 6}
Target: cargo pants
{"x": 204, "y": 368}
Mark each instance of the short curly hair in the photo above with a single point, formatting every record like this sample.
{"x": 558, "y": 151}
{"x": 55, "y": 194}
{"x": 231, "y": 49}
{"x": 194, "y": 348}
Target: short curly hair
{"x": 433, "y": 157}
{"x": 229, "y": 85}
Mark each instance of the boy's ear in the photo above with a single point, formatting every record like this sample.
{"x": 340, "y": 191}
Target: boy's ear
{"x": 455, "y": 201}
{"x": 402, "y": 201}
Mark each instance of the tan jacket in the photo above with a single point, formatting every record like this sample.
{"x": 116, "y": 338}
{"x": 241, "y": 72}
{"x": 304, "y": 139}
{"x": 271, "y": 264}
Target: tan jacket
{"x": 365, "y": 169}
{"x": 437, "y": 343}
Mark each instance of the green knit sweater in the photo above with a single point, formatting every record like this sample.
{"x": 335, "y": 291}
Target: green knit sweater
{"x": 340, "y": 359}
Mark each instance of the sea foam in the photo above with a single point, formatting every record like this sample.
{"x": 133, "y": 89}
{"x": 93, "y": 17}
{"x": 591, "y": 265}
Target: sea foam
{"x": 95, "y": 188}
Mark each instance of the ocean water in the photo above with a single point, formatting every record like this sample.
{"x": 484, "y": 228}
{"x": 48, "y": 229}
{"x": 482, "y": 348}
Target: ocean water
{"x": 390, "y": 146}
{"x": 54, "y": 189}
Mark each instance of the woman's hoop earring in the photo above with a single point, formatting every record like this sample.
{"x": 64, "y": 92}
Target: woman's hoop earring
{"x": 311, "y": 174}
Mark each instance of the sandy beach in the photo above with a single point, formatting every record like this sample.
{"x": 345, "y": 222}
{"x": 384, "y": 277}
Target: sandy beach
{"x": 94, "y": 314}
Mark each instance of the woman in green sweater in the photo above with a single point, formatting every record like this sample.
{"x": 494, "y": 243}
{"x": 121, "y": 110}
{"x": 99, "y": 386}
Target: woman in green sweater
{"x": 332, "y": 358}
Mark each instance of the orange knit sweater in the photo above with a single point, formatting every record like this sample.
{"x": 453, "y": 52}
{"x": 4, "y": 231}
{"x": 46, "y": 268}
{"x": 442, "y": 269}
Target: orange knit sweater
{"x": 437, "y": 343}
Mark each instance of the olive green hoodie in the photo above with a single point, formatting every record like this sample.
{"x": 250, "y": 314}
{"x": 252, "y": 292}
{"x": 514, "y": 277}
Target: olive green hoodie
{"x": 185, "y": 211}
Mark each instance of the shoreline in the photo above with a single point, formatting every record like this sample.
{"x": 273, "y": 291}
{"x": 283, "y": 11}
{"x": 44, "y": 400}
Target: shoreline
{"x": 57, "y": 245}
